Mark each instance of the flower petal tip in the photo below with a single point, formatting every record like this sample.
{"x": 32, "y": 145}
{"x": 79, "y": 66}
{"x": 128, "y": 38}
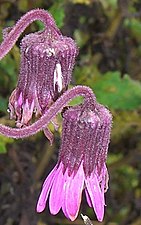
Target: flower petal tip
{"x": 100, "y": 219}
{"x": 72, "y": 217}
{"x": 100, "y": 216}
{"x": 40, "y": 208}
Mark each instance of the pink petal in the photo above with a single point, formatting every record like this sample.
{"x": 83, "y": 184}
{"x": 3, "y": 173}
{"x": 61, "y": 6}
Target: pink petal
{"x": 64, "y": 205}
{"x": 56, "y": 194}
{"x": 41, "y": 204}
{"x": 96, "y": 196}
{"x": 88, "y": 198}
{"x": 73, "y": 187}
{"x": 65, "y": 211}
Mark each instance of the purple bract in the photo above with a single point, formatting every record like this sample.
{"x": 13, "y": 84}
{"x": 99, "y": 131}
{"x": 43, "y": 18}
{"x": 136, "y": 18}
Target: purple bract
{"x": 81, "y": 163}
{"x": 47, "y": 61}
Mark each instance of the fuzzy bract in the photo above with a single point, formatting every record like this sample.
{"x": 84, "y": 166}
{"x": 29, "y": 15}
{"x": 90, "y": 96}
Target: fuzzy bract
{"x": 47, "y": 61}
{"x": 81, "y": 164}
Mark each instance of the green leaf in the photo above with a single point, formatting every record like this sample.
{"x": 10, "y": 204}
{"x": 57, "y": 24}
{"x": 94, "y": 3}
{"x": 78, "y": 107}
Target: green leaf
{"x": 40, "y": 25}
{"x": 7, "y": 64}
{"x": 134, "y": 26}
{"x": 116, "y": 92}
{"x": 3, "y": 104}
{"x": 2, "y": 148}
{"x": 76, "y": 101}
{"x": 57, "y": 11}
{"x": 9, "y": 67}
{"x": 3, "y": 142}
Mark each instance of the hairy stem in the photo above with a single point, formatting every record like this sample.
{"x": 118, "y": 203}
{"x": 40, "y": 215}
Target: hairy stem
{"x": 26, "y": 20}
{"x": 84, "y": 91}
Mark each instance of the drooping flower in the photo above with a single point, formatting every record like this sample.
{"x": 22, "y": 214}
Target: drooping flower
{"x": 81, "y": 164}
{"x": 47, "y": 61}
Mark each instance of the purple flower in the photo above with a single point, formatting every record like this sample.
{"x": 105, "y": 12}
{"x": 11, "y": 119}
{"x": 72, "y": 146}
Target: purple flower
{"x": 81, "y": 164}
{"x": 47, "y": 61}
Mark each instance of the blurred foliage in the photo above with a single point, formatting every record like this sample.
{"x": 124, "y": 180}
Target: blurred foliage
{"x": 58, "y": 15}
{"x": 134, "y": 26}
{"x": 110, "y": 88}
{"x": 108, "y": 33}
{"x": 124, "y": 91}
{"x": 82, "y": 1}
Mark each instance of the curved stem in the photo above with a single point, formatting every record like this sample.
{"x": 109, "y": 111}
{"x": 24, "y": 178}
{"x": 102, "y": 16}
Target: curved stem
{"x": 27, "y": 19}
{"x": 84, "y": 91}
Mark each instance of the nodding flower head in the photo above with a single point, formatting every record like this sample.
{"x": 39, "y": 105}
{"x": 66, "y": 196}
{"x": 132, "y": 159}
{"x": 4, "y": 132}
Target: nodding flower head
{"x": 81, "y": 164}
{"x": 47, "y": 61}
